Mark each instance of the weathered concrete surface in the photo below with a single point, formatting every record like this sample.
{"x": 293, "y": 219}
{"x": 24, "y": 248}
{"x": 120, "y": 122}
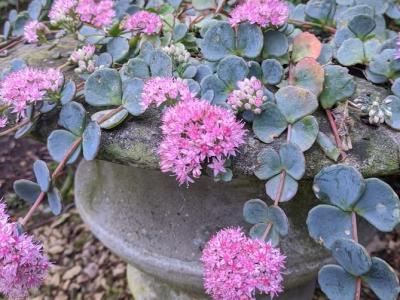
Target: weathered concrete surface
{"x": 160, "y": 228}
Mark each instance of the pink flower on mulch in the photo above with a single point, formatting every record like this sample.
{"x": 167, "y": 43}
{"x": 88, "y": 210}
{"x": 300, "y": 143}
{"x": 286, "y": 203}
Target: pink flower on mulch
{"x": 34, "y": 30}
{"x": 22, "y": 263}
{"x": 249, "y": 96}
{"x": 28, "y": 85}
{"x": 62, "y": 10}
{"x": 159, "y": 90}
{"x": 235, "y": 266}
{"x": 85, "y": 53}
{"x": 143, "y": 22}
{"x": 3, "y": 121}
{"x": 196, "y": 132}
{"x": 98, "y": 13}
{"x": 261, "y": 12}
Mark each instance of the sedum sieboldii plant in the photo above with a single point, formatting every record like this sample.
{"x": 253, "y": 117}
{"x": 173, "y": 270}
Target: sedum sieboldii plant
{"x": 219, "y": 73}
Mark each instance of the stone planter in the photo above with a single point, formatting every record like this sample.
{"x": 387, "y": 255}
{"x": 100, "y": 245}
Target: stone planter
{"x": 159, "y": 228}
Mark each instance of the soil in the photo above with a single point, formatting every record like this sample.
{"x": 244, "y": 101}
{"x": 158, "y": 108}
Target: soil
{"x": 83, "y": 267}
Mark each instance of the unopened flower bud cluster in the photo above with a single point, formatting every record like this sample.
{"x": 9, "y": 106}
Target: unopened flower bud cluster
{"x": 84, "y": 59}
{"x": 376, "y": 111}
{"x": 250, "y": 96}
{"x": 178, "y": 53}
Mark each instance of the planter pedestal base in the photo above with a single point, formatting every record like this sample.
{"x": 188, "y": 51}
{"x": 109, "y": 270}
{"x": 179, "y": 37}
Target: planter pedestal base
{"x": 146, "y": 287}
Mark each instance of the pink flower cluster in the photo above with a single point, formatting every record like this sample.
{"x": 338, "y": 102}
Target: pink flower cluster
{"x": 250, "y": 96}
{"x": 261, "y": 12}
{"x": 28, "y": 85}
{"x": 99, "y": 13}
{"x": 22, "y": 263}
{"x": 3, "y": 121}
{"x": 34, "y": 30}
{"x": 143, "y": 22}
{"x": 236, "y": 266}
{"x": 62, "y": 10}
{"x": 85, "y": 53}
{"x": 159, "y": 90}
{"x": 196, "y": 132}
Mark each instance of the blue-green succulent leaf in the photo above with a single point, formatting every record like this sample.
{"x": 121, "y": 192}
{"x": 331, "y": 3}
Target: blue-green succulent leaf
{"x": 103, "y": 88}
{"x": 27, "y": 190}
{"x": 132, "y": 97}
{"x": 292, "y": 160}
{"x": 336, "y": 283}
{"x": 272, "y": 71}
{"x": 91, "y": 141}
{"x": 275, "y": 44}
{"x": 255, "y": 211}
{"x": 269, "y": 124}
{"x": 68, "y": 92}
{"x": 218, "y": 41}
{"x": 73, "y": 117}
{"x": 249, "y": 40}
{"x": 232, "y": 69}
{"x": 55, "y": 201}
{"x": 268, "y": 164}
{"x": 160, "y": 64}
{"x": 59, "y": 142}
{"x": 42, "y": 175}
{"x": 290, "y": 187}
{"x": 305, "y": 132}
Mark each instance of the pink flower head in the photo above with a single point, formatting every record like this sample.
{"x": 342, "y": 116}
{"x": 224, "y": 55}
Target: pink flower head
{"x": 261, "y": 12}
{"x": 235, "y": 266}
{"x": 143, "y": 22}
{"x": 196, "y": 132}
{"x": 85, "y": 53}
{"x": 28, "y": 85}
{"x": 159, "y": 90}
{"x": 249, "y": 96}
{"x": 22, "y": 263}
{"x": 62, "y": 10}
{"x": 99, "y": 13}
{"x": 397, "y": 54}
{"x": 3, "y": 121}
{"x": 34, "y": 30}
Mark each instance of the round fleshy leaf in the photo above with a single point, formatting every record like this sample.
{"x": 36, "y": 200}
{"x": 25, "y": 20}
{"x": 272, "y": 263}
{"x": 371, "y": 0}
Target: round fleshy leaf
{"x": 305, "y": 132}
{"x": 42, "y": 175}
{"x": 351, "y": 256}
{"x": 396, "y": 87}
{"x": 338, "y": 86}
{"x": 73, "y": 117}
{"x": 104, "y": 60}
{"x": 255, "y": 211}
{"x": 58, "y": 144}
{"x": 394, "y": 105}
{"x": 189, "y": 72}
{"x": 306, "y": 45}
{"x": 290, "y": 187}
{"x": 24, "y": 130}
{"x": 292, "y": 160}
{"x": 112, "y": 122}
{"x": 272, "y": 71}
{"x": 269, "y": 124}
{"x": 68, "y": 92}
{"x": 382, "y": 279}
{"x": 328, "y": 223}
{"x": 19, "y": 24}
{"x": 381, "y": 63}
{"x": 135, "y": 68}
{"x": 232, "y": 69}
{"x": 257, "y": 232}
{"x": 204, "y": 4}
{"x": 277, "y": 216}
{"x": 351, "y": 52}
{"x": 295, "y": 102}
{"x": 103, "y": 88}
{"x": 328, "y": 146}
{"x": 321, "y": 11}
{"x": 309, "y": 74}
{"x": 336, "y": 283}
{"x": 91, "y": 141}
{"x": 275, "y": 44}
{"x": 254, "y": 69}
{"x": 202, "y": 72}
{"x": 180, "y": 31}
{"x": 132, "y": 97}
{"x": 213, "y": 83}
{"x": 362, "y": 25}
{"x": 371, "y": 48}
{"x": 55, "y": 201}
{"x": 339, "y": 185}
{"x": 326, "y": 54}
{"x": 268, "y": 164}
{"x": 27, "y": 190}
{"x": 249, "y": 41}
{"x": 160, "y": 64}
{"x": 218, "y": 41}
{"x": 35, "y": 8}
{"x": 194, "y": 87}
{"x": 6, "y": 30}
{"x": 92, "y": 35}
{"x": 379, "y": 205}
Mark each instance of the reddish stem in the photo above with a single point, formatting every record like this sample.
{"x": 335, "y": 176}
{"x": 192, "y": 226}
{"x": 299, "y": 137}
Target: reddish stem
{"x": 354, "y": 233}
{"x": 335, "y": 133}
{"x": 62, "y": 164}
{"x": 18, "y": 126}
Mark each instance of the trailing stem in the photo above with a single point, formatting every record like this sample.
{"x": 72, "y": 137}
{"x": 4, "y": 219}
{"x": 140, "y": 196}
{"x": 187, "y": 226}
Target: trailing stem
{"x": 335, "y": 132}
{"x": 62, "y": 164}
{"x": 308, "y": 25}
{"x": 18, "y": 126}
{"x": 281, "y": 186}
